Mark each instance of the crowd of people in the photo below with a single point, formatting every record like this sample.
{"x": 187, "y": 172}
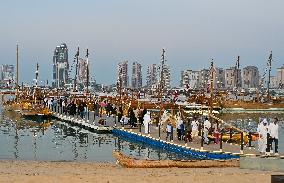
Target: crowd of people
{"x": 187, "y": 129}
{"x": 268, "y": 133}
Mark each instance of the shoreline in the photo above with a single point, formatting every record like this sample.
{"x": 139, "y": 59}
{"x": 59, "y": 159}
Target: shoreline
{"x": 68, "y": 172}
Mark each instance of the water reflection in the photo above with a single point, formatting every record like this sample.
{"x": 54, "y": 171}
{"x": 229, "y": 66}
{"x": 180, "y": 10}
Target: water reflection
{"x": 58, "y": 141}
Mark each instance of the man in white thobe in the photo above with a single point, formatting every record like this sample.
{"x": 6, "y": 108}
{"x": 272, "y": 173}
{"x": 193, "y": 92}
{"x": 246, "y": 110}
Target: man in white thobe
{"x": 263, "y": 130}
{"x": 206, "y": 128}
{"x": 146, "y": 122}
{"x": 194, "y": 126}
{"x": 259, "y": 127}
{"x": 273, "y": 133}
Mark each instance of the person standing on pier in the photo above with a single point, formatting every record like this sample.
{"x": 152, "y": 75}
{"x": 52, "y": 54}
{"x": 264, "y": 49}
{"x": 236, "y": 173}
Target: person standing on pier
{"x": 273, "y": 134}
{"x": 119, "y": 113}
{"x": 179, "y": 126}
{"x": 194, "y": 126}
{"x": 216, "y": 132}
{"x": 206, "y": 129}
{"x": 259, "y": 127}
{"x": 147, "y": 121}
{"x": 169, "y": 131}
{"x": 81, "y": 109}
{"x": 64, "y": 102}
{"x": 132, "y": 117}
{"x": 188, "y": 131}
{"x": 50, "y": 103}
{"x": 262, "y": 130}
{"x": 96, "y": 109}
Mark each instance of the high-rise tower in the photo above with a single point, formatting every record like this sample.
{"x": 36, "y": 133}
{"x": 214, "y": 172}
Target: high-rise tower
{"x": 164, "y": 73}
{"x": 136, "y": 76}
{"x": 152, "y": 74}
{"x": 60, "y": 66}
{"x": 122, "y": 72}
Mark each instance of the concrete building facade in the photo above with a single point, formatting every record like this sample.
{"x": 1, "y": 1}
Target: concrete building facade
{"x": 60, "y": 66}
{"x": 122, "y": 73}
{"x": 203, "y": 79}
{"x": 219, "y": 78}
{"x": 152, "y": 75}
{"x": 7, "y": 75}
{"x": 280, "y": 77}
{"x": 136, "y": 75}
{"x": 250, "y": 77}
{"x": 273, "y": 82}
{"x": 189, "y": 79}
{"x": 233, "y": 78}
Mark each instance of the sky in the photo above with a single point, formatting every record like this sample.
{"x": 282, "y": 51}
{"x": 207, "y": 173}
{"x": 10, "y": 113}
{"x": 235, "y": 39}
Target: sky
{"x": 192, "y": 32}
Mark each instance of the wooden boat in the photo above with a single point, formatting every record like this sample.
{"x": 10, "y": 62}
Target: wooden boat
{"x": 35, "y": 112}
{"x": 236, "y": 138}
{"x": 129, "y": 162}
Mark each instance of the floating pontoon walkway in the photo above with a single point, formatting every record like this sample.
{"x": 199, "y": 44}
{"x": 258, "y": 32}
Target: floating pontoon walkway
{"x": 193, "y": 149}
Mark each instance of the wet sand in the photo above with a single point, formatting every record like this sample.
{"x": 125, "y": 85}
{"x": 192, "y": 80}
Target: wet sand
{"x": 69, "y": 172}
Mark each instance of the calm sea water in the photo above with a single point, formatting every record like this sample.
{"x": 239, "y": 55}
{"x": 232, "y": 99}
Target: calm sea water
{"x": 57, "y": 141}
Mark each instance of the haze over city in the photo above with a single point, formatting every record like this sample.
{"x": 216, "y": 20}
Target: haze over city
{"x": 192, "y": 32}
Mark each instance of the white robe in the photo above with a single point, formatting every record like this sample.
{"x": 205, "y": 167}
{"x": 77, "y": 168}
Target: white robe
{"x": 262, "y": 142}
{"x": 146, "y": 122}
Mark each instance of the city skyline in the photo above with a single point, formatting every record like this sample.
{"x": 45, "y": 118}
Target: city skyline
{"x": 192, "y": 33}
{"x": 184, "y": 73}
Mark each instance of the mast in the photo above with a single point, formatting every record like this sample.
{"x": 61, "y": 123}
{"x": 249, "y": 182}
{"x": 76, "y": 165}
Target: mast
{"x": 17, "y": 79}
{"x": 269, "y": 71}
{"x": 36, "y": 73}
{"x": 76, "y": 69}
{"x": 119, "y": 86}
{"x": 161, "y": 87}
{"x": 211, "y": 85}
{"x": 237, "y": 72}
{"x": 87, "y": 55}
{"x": 36, "y": 82}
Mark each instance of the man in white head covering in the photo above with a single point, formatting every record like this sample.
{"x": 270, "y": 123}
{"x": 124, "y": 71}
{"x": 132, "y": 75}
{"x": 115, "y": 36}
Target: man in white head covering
{"x": 259, "y": 126}
{"x": 263, "y": 130}
{"x": 206, "y": 128}
{"x": 164, "y": 116}
{"x": 147, "y": 121}
{"x": 273, "y": 132}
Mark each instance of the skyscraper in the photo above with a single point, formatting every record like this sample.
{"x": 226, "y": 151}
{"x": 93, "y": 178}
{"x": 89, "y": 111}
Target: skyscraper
{"x": 219, "y": 78}
{"x": 60, "y": 66}
{"x": 250, "y": 77}
{"x": 7, "y": 74}
{"x": 204, "y": 79}
{"x": 151, "y": 78}
{"x": 189, "y": 79}
{"x": 164, "y": 73}
{"x": 166, "y": 77}
{"x": 280, "y": 77}
{"x": 233, "y": 78}
{"x": 136, "y": 75}
{"x": 122, "y": 73}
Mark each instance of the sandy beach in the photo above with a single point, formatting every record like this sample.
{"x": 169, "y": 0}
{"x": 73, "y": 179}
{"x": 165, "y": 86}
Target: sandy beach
{"x": 68, "y": 172}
